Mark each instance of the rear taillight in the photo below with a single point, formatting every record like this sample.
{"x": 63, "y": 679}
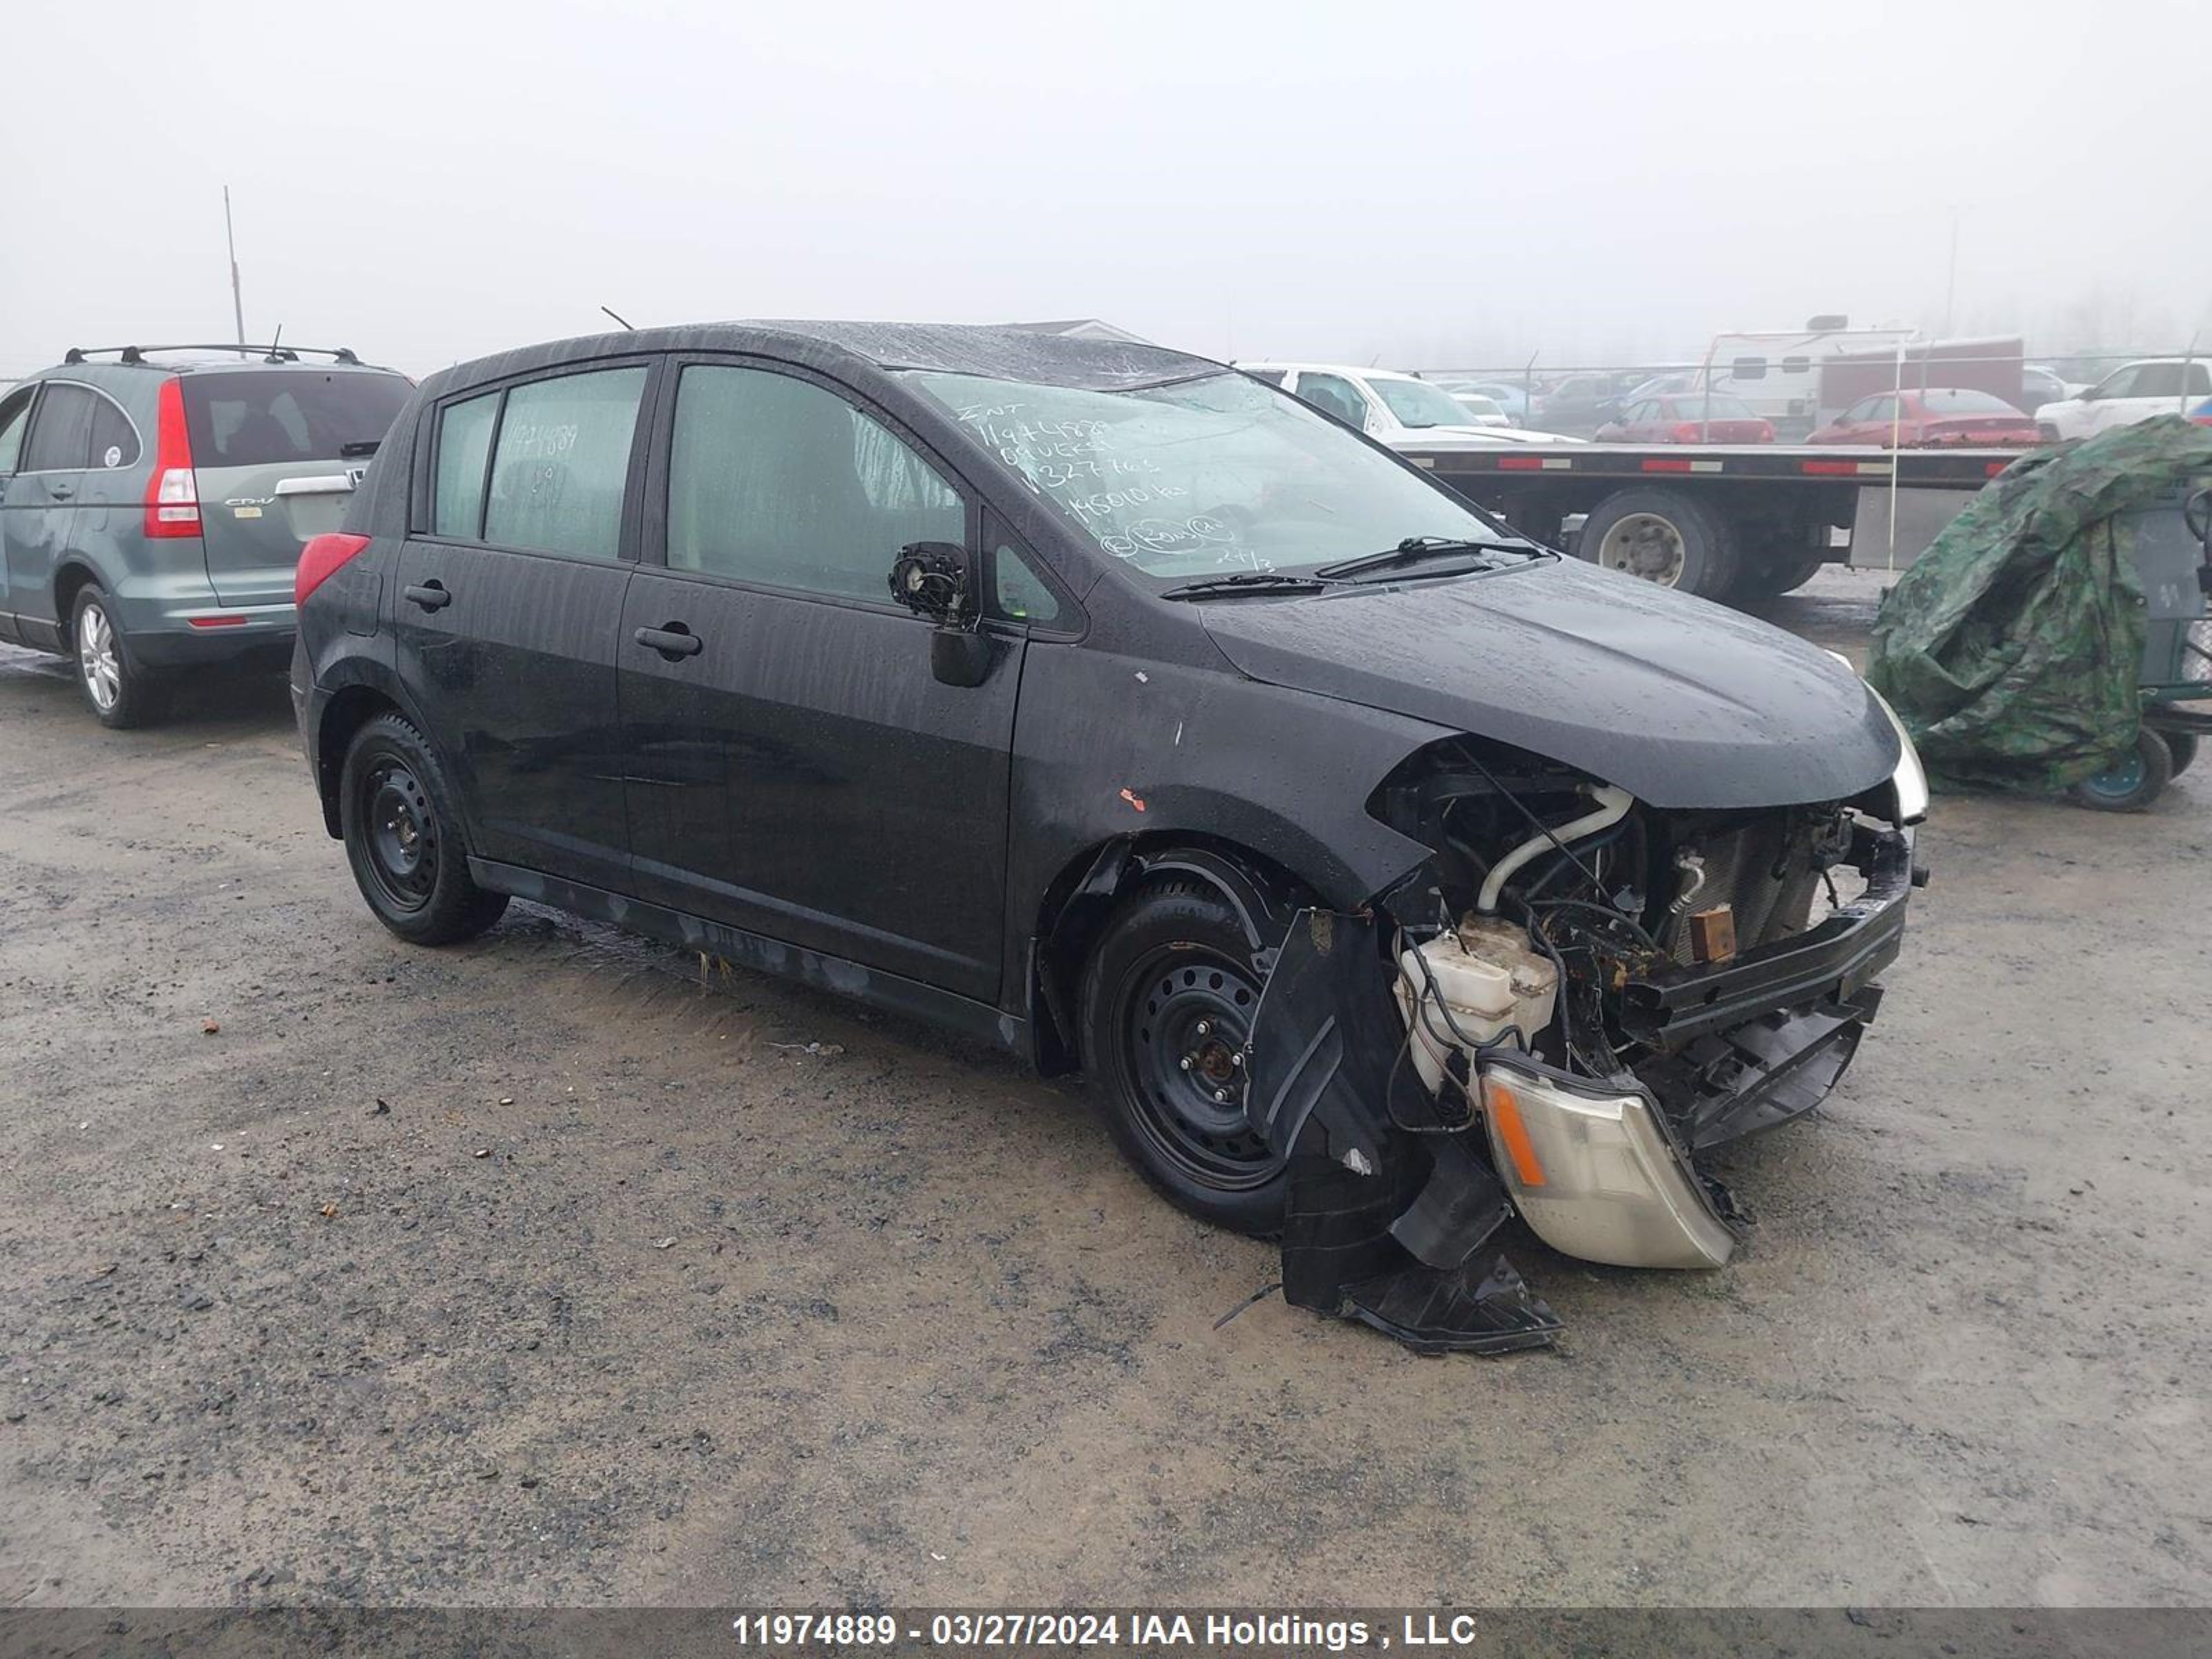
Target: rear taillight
{"x": 173, "y": 495}
{"x": 1686, "y": 432}
{"x": 320, "y": 560}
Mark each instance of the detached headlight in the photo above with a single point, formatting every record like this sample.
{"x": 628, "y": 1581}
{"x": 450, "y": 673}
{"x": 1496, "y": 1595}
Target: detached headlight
{"x": 1910, "y": 780}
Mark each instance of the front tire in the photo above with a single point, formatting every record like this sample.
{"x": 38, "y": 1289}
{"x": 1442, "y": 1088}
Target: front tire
{"x": 1167, "y": 1003}
{"x": 403, "y": 837}
{"x": 1663, "y": 537}
{"x": 118, "y": 691}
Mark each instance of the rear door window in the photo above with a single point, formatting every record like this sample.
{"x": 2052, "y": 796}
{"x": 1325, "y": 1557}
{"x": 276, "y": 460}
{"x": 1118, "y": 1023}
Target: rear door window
{"x": 464, "y": 445}
{"x": 61, "y": 438}
{"x": 562, "y": 464}
{"x": 283, "y": 416}
{"x": 777, "y": 480}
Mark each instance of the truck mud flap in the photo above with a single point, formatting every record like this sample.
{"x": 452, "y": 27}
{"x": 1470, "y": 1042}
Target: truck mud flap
{"x": 1388, "y": 1209}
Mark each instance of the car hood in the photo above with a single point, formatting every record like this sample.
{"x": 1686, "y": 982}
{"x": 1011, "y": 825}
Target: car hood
{"x": 1682, "y": 704}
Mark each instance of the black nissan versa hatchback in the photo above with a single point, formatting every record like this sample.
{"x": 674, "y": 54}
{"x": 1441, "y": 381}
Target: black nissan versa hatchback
{"x": 1386, "y": 873}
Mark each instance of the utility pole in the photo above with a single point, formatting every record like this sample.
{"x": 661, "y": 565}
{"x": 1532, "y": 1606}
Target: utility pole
{"x": 1951, "y": 285}
{"x": 237, "y": 300}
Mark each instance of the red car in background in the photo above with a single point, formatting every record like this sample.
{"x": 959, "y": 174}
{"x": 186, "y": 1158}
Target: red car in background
{"x": 1688, "y": 417}
{"x": 1929, "y": 419}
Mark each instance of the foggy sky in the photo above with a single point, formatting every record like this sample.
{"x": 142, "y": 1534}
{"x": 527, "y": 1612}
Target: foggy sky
{"x": 1428, "y": 185}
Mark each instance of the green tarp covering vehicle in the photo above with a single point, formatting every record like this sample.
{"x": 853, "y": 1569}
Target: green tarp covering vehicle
{"x": 2053, "y": 637}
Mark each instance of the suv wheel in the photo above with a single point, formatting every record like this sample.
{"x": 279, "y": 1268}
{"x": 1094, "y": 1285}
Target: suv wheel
{"x": 117, "y": 690}
{"x": 1167, "y": 1003}
{"x": 403, "y": 838}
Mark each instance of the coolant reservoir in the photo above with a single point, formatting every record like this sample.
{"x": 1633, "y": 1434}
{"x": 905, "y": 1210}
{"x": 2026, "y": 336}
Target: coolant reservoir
{"x": 1490, "y": 980}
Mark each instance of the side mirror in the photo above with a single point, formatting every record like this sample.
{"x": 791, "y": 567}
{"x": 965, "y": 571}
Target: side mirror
{"x": 960, "y": 657}
{"x": 936, "y": 580}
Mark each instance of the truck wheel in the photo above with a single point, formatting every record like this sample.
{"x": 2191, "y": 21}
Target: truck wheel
{"x": 1167, "y": 1002}
{"x": 1662, "y": 537}
{"x": 1773, "y": 577}
{"x": 403, "y": 838}
{"x": 119, "y": 693}
{"x": 2134, "y": 783}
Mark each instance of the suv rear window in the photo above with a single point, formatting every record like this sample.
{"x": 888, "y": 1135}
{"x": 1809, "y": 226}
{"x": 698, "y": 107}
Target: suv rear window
{"x": 278, "y": 416}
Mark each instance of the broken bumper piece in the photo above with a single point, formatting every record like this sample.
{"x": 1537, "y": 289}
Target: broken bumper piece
{"x": 1594, "y": 1172}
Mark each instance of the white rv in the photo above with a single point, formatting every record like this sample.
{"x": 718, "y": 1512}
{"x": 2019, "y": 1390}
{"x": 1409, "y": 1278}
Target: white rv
{"x": 1777, "y": 372}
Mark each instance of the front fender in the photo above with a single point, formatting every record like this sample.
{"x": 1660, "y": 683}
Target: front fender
{"x": 1109, "y": 748}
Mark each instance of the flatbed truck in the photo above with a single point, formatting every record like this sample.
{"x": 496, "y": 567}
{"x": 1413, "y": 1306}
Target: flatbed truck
{"x": 1731, "y": 522}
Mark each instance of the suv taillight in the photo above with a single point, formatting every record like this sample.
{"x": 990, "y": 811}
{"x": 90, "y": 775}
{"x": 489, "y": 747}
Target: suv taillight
{"x": 320, "y": 560}
{"x": 173, "y": 494}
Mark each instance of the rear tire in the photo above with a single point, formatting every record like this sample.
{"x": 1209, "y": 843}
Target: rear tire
{"x": 1166, "y": 1004}
{"x": 1663, "y": 537}
{"x": 2134, "y": 783}
{"x": 403, "y": 837}
{"x": 120, "y": 693}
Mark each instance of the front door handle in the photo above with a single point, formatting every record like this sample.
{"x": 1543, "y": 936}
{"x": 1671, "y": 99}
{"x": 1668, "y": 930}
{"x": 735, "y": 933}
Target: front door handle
{"x": 431, "y": 595}
{"x": 61, "y": 492}
{"x": 672, "y": 641}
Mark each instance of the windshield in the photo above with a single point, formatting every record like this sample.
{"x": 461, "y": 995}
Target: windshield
{"x": 1416, "y": 403}
{"x": 1203, "y": 477}
{"x": 1692, "y": 405}
{"x": 1956, "y": 401}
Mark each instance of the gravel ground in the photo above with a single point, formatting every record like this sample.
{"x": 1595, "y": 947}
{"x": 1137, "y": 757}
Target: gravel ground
{"x": 549, "y": 1269}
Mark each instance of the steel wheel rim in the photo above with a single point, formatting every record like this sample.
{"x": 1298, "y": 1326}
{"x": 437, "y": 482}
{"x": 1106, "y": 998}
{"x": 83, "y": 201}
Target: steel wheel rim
{"x": 96, "y": 659}
{"x": 1646, "y": 546}
{"x": 2122, "y": 779}
{"x": 399, "y": 835}
{"x": 1185, "y": 1017}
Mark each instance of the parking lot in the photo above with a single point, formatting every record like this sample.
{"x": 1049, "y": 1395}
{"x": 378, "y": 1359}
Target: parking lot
{"x": 563, "y": 1268}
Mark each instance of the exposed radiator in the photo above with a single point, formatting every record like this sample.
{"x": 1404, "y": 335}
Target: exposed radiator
{"x": 1740, "y": 872}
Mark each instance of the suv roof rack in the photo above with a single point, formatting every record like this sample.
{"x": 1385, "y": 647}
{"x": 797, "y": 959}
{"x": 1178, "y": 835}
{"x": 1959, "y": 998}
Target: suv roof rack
{"x": 268, "y": 354}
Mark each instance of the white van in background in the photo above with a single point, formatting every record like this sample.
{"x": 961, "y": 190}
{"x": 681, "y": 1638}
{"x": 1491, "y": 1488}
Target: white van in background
{"x": 2134, "y": 392}
{"x": 1397, "y": 411}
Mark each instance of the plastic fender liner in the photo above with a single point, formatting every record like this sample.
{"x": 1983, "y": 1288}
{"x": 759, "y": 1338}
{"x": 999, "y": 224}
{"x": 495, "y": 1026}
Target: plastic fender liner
{"x": 1384, "y": 1222}
{"x": 1262, "y": 912}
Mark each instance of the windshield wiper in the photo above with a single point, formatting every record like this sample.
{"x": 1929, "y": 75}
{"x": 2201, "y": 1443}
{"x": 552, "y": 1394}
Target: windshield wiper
{"x": 1414, "y": 549}
{"x": 1249, "y": 581}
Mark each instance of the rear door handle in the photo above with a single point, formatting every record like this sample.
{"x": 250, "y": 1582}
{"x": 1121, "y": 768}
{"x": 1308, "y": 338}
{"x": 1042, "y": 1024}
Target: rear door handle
{"x": 61, "y": 492}
{"x": 672, "y": 641}
{"x": 431, "y": 596}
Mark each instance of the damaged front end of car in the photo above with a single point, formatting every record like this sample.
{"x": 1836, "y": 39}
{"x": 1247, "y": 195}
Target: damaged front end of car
{"x": 1574, "y": 998}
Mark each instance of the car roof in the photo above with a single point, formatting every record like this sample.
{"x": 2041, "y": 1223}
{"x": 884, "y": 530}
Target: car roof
{"x": 997, "y": 352}
{"x": 224, "y": 358}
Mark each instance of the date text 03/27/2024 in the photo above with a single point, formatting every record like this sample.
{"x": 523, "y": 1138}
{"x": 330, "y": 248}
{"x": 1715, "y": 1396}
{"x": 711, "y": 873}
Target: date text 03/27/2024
{"x": 776, "y": 1631}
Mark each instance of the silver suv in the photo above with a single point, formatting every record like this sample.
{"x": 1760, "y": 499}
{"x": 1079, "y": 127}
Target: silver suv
{"x": 151, "y": 512}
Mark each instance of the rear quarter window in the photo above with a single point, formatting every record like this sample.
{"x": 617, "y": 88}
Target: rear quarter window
{"x": 464, "y": 445}
{"x": 283, "y": 416}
